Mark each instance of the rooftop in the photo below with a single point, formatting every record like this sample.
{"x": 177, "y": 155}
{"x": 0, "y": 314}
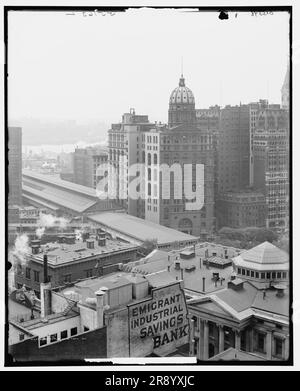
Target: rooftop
{"x": 51, "y": 180}
{"x": 140, "y": 229}
{"x": 264, "y": 254}
{"x": 54, "y": 192}
{"x": 155, "y": 268}
{"x": 233, "y": 354}
{"x": 61, "y": 253}
{"x": 250, "y": 296}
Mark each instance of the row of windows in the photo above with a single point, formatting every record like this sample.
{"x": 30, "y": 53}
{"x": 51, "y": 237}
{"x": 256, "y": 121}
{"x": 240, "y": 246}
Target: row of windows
{"x": 57, "y": 336}
{"x": 260, "y": 344}
{"x": 262, "y": 275}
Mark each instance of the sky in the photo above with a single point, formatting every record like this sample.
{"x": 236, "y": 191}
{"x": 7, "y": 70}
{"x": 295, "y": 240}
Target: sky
{"x": 98, "y": 67}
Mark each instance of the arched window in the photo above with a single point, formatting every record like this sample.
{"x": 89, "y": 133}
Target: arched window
{"x": 149, "y": 174}
{"x": 155, "y": 158}
{"x": 149, "y": 189}
{"x": 149, "y": 159}
{"x": 143, "y": 157}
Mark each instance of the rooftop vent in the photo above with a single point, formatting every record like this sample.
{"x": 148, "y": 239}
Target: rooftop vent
{"x": 90, "y": 244}
{"x": 280, "y": 290}
{"x": 237, "y": 284}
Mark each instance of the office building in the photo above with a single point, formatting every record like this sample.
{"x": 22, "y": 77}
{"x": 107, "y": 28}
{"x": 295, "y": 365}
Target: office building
{"x": 271, "y": 164}
{"x": 241, "y": 209}
{"x": 85, "y": 164}
{"x": 14, "y": 165}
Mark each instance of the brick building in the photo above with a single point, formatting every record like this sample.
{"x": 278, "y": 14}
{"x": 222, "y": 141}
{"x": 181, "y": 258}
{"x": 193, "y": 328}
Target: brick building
{"x": 241, "y": 209}
{"x": 72, "y": 259}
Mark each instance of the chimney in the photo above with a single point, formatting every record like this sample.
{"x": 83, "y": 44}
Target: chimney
{"x": 90, "y": 244}
{"x": 45, "y": 291}
{"x": 101, "y": 242}
{"x": 85, "y": 236}
{"x": 46, "y": 278}
{"x": 99, "y": 308}
{"x": 35, "y": 249}
{"x": 105, "y": 297}
{"x": 280, "y": 290}
{"x": 203, "y": 284}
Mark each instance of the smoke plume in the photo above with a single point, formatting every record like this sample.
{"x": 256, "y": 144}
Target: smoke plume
{"x": 47, "y": 220}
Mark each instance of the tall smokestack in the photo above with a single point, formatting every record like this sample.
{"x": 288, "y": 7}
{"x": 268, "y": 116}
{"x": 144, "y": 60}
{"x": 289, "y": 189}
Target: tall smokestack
{"x": 46, "y": 279}
{"x": 46, "y": 296}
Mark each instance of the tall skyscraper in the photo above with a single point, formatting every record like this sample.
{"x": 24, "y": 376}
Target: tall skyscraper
{"x": 125, "y": 149}
{"x": 254, "y": 109}
{"x": 285, "y": 90}
{"x": 181, "y": 142}
{"x": 86, "y": 162}
{"x": 15, "y": 165}
{"x": 271, "y": 163}
{"x": 233, "y": 146}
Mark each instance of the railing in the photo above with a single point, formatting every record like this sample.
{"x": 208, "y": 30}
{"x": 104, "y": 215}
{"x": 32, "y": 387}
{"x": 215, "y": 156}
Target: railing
{"x": 21, "y": 318}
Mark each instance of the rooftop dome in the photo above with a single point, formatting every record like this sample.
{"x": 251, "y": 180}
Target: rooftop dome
{"x": 265, "y": 253}
{"x": 182, "y": 94}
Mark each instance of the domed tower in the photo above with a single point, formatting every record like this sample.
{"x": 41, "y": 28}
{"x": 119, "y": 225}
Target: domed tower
{"x": 182, "y": 105}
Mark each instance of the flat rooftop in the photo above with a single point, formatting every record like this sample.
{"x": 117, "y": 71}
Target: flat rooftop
{"x": 157, "y": 272}
{"x": 140, "y": 229}
{"x": 61, "y": 253}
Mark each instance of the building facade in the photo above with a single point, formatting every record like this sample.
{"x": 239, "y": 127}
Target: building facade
{"x": 86, "y": 162}
{"x": 241, "y": 209}
{"x": 233, "y": 145}
{"x": 156, "y": 147}
{"x": 285, "y": 91}
{"x": 72, "y": 259}
{"x": 15, "y": 165}
{"x": 251, "y": 315}
{"x": 271, "y": 164}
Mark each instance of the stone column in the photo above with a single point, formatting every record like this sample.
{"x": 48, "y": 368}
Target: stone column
{"x": 205, "y": 340}
{"x": 192, "y": 333}
{"x": 201, "y": 340}
{"x": 250, "y": 339}
{"x": 221, "y": 338}
{"x": 237, "y": 339}
{"x": 286, "y": 347}
{"x": 269, "y": 345}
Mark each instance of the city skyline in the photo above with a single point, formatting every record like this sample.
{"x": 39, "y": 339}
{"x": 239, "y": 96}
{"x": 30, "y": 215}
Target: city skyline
{"x": 49, "y": 76}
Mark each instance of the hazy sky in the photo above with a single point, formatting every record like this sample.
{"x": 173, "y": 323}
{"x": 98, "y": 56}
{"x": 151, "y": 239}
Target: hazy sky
{"x": 97, "y": 67}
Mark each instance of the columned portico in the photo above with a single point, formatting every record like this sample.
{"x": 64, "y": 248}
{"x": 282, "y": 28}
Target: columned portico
{"x": 237, "y": 339}
{"x": 205, "y": 340}
{"x": 221, "y": 338}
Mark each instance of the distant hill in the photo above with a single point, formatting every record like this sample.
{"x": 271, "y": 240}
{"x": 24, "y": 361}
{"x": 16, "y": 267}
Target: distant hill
{"x": 36, "y": 132}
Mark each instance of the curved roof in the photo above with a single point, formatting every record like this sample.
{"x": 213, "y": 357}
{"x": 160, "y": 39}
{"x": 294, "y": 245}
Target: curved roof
{"x": 182, "y": 94}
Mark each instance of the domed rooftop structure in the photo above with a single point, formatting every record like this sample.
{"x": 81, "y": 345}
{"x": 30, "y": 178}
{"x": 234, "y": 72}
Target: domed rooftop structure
{"x": 182, "y": 94}
{"x": 182, "y": 105}
{"x": 265, "y": 253}
{"x": 264, "y": 262}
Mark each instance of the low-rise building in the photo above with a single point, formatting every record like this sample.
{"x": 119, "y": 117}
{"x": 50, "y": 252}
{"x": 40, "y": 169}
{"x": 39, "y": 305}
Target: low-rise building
{"x": 138, "y": 230}
{"x": 251, "y": 315}
{"x": 61, "y": 197}
{"x": 71, "y": 259}
{"x": 120, "y": 315}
